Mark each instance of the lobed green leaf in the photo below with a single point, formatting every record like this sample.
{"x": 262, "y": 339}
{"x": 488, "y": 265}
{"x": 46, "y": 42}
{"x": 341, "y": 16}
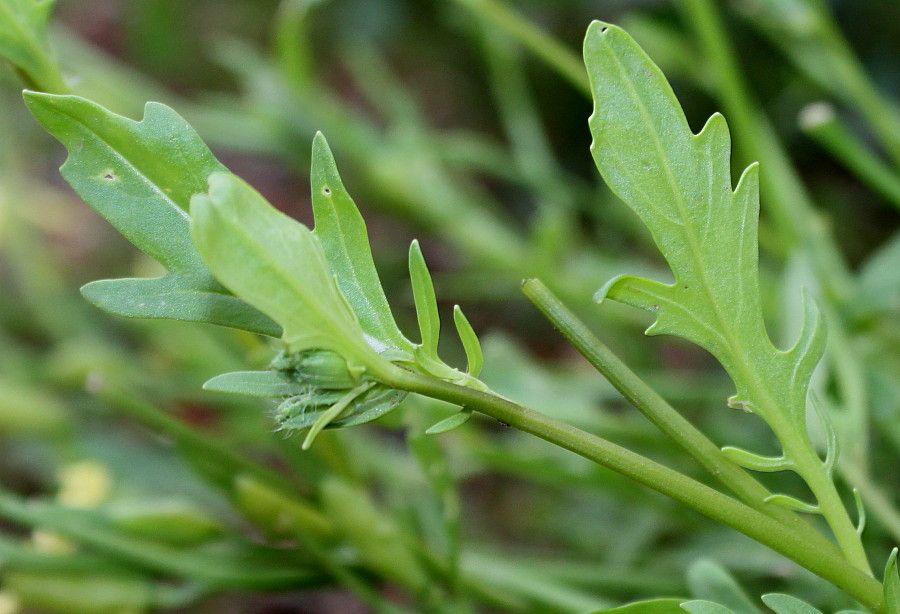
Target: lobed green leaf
{"x": 679, "y": 184}
{"x": 140, "y": 176}
{"x": 471, "y": 344}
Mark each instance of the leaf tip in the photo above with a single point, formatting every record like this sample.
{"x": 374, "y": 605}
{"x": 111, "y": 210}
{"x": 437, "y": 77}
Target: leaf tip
{"x": 603, "y": 293}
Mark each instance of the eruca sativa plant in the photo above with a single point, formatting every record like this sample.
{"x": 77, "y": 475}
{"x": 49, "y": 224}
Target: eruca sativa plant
{"x": 338, "y": 358}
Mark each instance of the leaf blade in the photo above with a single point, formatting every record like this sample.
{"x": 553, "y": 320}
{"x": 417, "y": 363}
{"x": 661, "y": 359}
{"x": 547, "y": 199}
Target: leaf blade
{"x": 276, "y": 265}
{"x": 342, "y": 232}
{"x": 140, "y": 175}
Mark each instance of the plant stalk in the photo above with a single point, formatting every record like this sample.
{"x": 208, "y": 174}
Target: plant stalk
{"x": 663, "y": 415}
{"x": 660, "y": 478}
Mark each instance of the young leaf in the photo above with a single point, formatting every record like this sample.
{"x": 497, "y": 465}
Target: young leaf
{"x": 277, "y": 265}
{"x": 892, "y": 585}
{"x": 342, "y": 232}
{"x": 679, "y": 184}
{"x": 140, "y": 177}
{"x": 332, "y": 413}
{"x": 793, "y": 503}
{"x": 785, "y": 604}
{"x": 700, "y": 606}
{"x": 426, "y": 301}
{"x": 474, "y": 356}
{"x": 756, "y": 462}
{"x": 269, "y": 384}
{"x": 448, "y": 424}
{"x": 304, "y": 410}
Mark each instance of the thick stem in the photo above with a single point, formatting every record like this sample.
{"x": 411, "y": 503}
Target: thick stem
{"x": 663, "y": 415}
{"x": 673, "y": 484}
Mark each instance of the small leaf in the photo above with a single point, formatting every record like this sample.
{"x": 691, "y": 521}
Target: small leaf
{"x": 751, "y": 460}
{"x": 892, "y": 585}
{"x": 277, "y": 265}
{"x": 304, "y": 410}
{"x": 269, "y": 384}
{"x": 176, "y": 297}
{"x": 342, "y": 232}
{"x": 426, "y": 301}
{"x": 333, "y": 412}
{"x": 785, "y": 604}
{"x": 471, "y": 344}
{"x": 448, "y": 424}
{"x": 700, "y": 606}
{"x": 140, "y": 176}
{"x": 652, "y": 606}
{"x": 832, "y": 448}
{"x": 860, "y": 512}
{"x": 793, "y": 503}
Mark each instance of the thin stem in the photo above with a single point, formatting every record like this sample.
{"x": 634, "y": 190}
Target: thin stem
{"x": 566, "y": 63}
{"x": 663, "y": 415}
{"x": 669, "y": 482}
{"x": 857, "y": 87}
{"x": 822, "y": 124}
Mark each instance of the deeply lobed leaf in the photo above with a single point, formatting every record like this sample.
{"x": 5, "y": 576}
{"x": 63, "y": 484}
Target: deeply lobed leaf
{"x": 679, "y": 184}
{"x": 140, "y": 175}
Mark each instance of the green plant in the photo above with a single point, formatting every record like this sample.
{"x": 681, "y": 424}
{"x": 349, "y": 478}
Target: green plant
{"x": 233, "y": 260}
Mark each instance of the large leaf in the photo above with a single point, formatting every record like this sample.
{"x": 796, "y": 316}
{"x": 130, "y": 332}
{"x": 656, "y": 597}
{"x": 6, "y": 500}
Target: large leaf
{"x": 140, "y": 176}
{"x": 342, "y": 232}
{"x": 277, "y": 265}
{"x": 679, "y": 184}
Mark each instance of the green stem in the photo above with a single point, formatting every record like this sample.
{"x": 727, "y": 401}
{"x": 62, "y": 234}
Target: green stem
{"x": 669, "y": 482}
{"x": 567, "y": 64}
{"x": 809, "y": 466}
{"x": 663, "y": 415}
{"x": 820, "y": 122}
{"x": 856, "y": 86}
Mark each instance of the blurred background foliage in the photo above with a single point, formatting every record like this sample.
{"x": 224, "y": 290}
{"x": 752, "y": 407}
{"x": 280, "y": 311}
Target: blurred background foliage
{"x": 126, "y": 488}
